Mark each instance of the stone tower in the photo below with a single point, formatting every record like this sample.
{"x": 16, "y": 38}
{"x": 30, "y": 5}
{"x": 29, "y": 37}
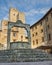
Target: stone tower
{"x": 15, "y": 15}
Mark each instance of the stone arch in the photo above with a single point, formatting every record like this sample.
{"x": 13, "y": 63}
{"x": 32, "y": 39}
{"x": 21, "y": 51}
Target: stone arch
{"x": 18, "y": 24}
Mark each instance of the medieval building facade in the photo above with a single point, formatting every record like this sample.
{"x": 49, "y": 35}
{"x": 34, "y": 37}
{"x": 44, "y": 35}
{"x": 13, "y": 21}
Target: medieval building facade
{"x": 17, "y": 33}
{"x": 41, "y": 31}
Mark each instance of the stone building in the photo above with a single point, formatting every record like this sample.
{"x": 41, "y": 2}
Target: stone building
{"x": 17, "y": 33}
{"x": 41, "y": 33}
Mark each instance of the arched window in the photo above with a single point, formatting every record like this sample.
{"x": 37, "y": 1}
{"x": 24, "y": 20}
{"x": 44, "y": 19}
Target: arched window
{"x": 21, "y": 38}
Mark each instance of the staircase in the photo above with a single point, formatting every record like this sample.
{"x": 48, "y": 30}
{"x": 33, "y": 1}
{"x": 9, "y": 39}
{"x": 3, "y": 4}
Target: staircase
{"x": 24, "y": 55}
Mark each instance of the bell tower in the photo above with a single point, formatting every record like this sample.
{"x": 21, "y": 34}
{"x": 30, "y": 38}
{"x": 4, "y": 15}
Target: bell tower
{"x": 15, "y": 15}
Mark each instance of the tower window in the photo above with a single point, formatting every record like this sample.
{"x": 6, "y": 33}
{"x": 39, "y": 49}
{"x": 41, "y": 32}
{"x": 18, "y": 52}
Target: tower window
{"x": 21, "y": 38}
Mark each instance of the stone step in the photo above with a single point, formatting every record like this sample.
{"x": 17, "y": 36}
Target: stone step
{"x": 24, "y": 55}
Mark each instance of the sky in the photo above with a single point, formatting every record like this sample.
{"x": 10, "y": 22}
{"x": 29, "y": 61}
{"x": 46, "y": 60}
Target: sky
{"x": 33, "y": 9}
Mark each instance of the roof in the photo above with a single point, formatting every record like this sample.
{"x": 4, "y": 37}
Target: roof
{"x": 41, "y": 18}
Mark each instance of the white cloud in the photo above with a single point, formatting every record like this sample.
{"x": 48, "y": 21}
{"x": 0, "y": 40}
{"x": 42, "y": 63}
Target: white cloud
{"x": 6, "y": 17}
{"x": 38, "y": 11}
{"x": 31, "y": 12}
{"x": 35, "y": 14}
{"x": 4, "y": 8}
{"x": 44, "y": 10}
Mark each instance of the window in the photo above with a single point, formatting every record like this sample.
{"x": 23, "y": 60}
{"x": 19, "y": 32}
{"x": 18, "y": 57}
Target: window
{"x": 14, "y": 34}
{"x": 21, "y": 38}
{"x": 42, "y": 39}
{"x": 26, "y": 37}
{"x": 36, "y": 33}
{"x": 33, "y": 42}
{"x": 48, "y": 26}
{"x": 36, "y": 41}
{"x": 33, "y": 35}
{"x": 14, "y": 40}
{"x": 49, "y": 36}
{"x": 47, "y": 19}
{"x": 41, "y": 30}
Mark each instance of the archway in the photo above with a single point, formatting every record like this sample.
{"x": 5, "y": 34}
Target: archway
{"x": 18, "y": 44}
